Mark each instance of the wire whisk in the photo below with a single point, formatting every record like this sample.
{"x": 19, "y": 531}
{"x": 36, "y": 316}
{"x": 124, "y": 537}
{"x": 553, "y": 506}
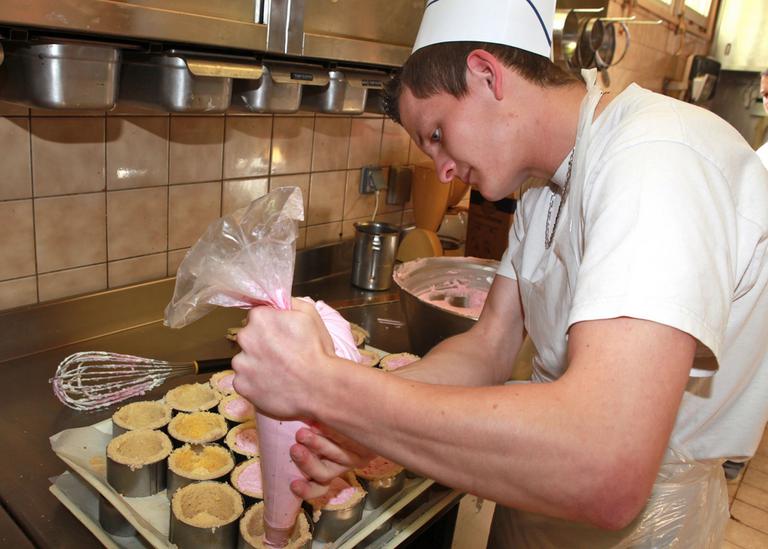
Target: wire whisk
{"x": 92, "y": 380}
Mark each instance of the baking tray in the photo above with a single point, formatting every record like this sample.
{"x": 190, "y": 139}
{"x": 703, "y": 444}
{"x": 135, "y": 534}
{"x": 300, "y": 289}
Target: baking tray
{"x": 83, "y": 451}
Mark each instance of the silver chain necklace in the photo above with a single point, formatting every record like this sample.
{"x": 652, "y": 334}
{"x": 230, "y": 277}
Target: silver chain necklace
{"x": 549, "y": 235}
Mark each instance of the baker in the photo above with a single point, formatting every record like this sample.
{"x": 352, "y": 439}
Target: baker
{"x": 762, "y": 152}
{"x": 639, "y": 272}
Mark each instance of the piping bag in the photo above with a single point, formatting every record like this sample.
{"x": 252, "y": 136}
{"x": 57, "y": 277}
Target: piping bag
{"x": 246, "y": 259}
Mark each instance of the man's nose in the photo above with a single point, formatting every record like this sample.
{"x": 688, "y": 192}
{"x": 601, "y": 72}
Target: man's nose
{"x": 445, "y": 168}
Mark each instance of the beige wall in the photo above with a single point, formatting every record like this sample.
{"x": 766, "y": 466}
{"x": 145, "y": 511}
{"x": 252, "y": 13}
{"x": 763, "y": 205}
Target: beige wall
{"x": 102, "y": 201}
{"x": 90, "y": 201}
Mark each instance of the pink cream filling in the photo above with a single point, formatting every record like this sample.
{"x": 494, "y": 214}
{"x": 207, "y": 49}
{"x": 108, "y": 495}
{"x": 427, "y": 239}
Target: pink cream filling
{"x": 226, "y": 383}
{"x": 281, "y": 506}
{"x": 247, "y": 440}
{"x": 399, "y": 362}
{"x": 340, "y": 492}
{"x": 249, "y": 479}
{"x": 239, "y": 408}
{"x": 380, "y": 466}
{"x": 473, "y": 299}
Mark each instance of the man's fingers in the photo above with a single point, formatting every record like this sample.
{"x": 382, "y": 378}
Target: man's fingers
{"x": 306, "y": 489}
{"x": 320, "y": 470}
{"x": 358, "y": 455}
{"x": 321, "y": 446}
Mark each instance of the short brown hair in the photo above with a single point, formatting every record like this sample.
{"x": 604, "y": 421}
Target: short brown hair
{"x": 442, "y": 68}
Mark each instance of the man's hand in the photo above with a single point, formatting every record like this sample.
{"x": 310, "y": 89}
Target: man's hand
{"x": 322, "y": 455}
{"x": 283, "y": 353}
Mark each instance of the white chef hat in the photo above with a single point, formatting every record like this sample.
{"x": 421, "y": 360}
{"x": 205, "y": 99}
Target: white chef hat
{"x": 524, "y": 24}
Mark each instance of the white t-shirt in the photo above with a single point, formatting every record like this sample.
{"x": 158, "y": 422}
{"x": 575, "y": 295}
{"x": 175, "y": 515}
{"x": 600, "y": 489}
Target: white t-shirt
{"x": 674, "y": 218}
{"x": 762, "y": 152}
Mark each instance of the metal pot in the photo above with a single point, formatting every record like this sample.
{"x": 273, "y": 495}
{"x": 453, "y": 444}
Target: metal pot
{"x": 374, "y": 255}
{"x": 428, "y": 324}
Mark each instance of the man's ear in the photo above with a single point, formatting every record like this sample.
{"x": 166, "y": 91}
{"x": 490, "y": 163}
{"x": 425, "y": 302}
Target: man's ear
{"x": 483, "y": 66}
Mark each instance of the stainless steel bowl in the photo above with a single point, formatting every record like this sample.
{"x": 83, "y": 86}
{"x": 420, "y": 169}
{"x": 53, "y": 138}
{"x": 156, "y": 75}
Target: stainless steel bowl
{"x": 429, "y": 324}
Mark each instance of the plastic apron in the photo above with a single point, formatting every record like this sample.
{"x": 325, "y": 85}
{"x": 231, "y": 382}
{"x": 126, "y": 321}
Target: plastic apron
{"x": 688, "y": 506}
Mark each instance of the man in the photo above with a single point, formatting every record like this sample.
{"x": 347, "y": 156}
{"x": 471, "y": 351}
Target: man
{"x": 762, "y": 152}
{"x": 641, "y": 275}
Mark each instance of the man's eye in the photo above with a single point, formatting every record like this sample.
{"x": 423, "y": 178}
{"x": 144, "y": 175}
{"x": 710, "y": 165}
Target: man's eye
{"x": 436, "y": 135}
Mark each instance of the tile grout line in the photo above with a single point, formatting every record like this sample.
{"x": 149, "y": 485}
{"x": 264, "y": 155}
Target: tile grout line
{"x": 168, "y": 198}
{"x": 221, "y": 172}
{"x": 32, "y": 189}
{"x": 106, "y": 209}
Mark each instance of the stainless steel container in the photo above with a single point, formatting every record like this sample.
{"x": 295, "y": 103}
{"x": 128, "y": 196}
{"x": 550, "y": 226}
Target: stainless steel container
{"x": 61, "y": 75}
{"x": 175, "y": 82}
{"x": 374, "y": 255}
{"x": 279, "y": 90}
{"x": 345, "y": 93}
{"x": 428, "y": 324}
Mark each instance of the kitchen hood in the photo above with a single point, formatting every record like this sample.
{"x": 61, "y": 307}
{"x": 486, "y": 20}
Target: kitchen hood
{"x": 197, "y": 56}
{"x": 378, "y": 33}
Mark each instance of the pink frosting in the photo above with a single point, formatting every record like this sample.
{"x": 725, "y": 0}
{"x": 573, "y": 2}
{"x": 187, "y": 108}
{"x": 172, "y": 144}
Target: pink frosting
{"x": 368, "y": 360}
{"x": 339, "y": 492}
{"x": 225, "y": 383}
{"x": 247, "y": 440}
{"x": 380, "y": 466}
{"x": 249, "y": 479}
{"x": 400, "y": 361}
{"x": 281, "y": 506}
{"x": 240, "y": 408}
{"x": 341, "y": 333}
{"x": 475, "y": 299}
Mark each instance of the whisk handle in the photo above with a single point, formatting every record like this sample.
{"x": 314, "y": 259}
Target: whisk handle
{"x": 212, "y": 365}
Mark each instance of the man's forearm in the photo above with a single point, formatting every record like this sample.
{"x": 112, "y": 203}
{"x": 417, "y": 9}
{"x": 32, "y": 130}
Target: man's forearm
{"x": 485, "y": 354}
{"x": 465, "y": 360}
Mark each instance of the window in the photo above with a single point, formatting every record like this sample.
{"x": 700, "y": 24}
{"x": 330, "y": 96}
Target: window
{"x": 701, "y": 13}
{"x": 698, "y": 16}
{"x": 699, "y": 6}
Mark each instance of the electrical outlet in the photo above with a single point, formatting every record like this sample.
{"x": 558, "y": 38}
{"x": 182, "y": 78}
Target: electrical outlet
{"x": 372, "y": 180}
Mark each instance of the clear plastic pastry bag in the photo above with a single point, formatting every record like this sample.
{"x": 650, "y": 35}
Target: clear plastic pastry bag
{"x": 242, "y": 260}
{"x": 688, "y": 508}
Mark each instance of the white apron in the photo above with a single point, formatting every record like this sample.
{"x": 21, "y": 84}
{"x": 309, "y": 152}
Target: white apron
{"x": 688, "y": 506}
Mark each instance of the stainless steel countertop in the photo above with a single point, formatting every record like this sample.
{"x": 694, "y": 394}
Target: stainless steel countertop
{"x": 31, "y": 414}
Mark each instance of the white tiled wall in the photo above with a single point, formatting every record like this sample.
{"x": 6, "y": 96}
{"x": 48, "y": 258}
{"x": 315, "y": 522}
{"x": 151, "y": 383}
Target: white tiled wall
{"x": 93, "y": 201}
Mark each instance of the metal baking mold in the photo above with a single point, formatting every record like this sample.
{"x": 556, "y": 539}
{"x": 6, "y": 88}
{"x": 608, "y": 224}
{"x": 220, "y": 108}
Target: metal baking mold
{"x": 113, "y": 521}
{"x": 174, "y": 480}
{"x": 346, "y": 92}
{"x": 380, "y": 490}
{"x": 185, "y": 535}
{"x": 138, "y": 481}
